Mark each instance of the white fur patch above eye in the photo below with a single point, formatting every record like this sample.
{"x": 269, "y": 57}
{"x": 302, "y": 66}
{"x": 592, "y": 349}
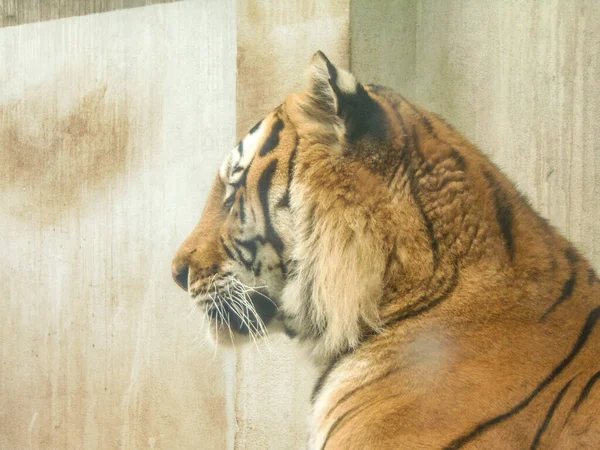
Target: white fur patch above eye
{"x": 250, "y": 145}
{"x": 224, "y": 169}
{"x": 229, "y": 191}
{"x": 238, "y": 159}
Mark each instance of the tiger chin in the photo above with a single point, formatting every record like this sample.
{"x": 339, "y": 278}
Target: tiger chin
{"x": 442, "y": 310}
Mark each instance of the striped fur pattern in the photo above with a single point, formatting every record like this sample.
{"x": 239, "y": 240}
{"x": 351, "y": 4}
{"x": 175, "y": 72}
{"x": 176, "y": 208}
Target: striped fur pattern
{"x": 443, "y": 311}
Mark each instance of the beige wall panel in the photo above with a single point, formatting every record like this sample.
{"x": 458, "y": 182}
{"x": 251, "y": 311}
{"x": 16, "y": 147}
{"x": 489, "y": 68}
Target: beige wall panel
{"x": 112, "y": 127}
{"x": 275, "y": 43}
{"x": 17, "y": 12}
{"x": 521, "y": 80}
{"x": 383, "y": 43}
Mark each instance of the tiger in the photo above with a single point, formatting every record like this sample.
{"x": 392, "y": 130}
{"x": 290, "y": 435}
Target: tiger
{"x": 441, "y": 310}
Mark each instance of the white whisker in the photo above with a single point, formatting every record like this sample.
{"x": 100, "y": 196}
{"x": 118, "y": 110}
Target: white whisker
{"x": 192, "y": 309}
{"x": 252, "y": 331}
{"x": 240, "y": 288}
{"x": 223, "y": 298}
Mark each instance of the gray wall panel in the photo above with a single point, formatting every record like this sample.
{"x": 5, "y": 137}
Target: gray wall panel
{"x": 18, "y": 12}
{"x": 520, "y": 79}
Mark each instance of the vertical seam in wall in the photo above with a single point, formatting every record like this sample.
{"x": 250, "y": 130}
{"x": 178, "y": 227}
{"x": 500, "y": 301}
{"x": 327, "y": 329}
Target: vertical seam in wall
{"x": 418, "y": 15}
{"x": 350, "y": 3}
{"x": 415, "y": 46}
{"x": 232, "y": 431}
{"x": 231, "y": 384}
{"x": 234, "y": 428}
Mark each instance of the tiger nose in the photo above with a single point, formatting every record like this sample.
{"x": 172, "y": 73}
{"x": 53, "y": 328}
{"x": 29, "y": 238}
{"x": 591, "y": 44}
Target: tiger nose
{"x": 180, "y": 274}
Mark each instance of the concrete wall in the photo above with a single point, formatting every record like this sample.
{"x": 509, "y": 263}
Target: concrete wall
{"x": 111, "y": 129}
{"x": 520, "y": 79}
{"x": 383, "y": 46}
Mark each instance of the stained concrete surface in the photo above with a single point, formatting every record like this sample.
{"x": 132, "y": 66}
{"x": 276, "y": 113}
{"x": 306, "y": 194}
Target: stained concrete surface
{"x": 111, "y": 129}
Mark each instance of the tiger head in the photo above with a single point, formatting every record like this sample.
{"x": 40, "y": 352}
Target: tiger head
{"x": 290, "y": 232}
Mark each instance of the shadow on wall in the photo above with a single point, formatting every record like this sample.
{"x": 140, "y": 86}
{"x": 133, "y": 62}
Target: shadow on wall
{"x": 52, "y": 161}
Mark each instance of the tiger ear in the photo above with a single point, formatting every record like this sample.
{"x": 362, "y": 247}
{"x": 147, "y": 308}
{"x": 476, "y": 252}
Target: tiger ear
{"x": 330, "y": 85}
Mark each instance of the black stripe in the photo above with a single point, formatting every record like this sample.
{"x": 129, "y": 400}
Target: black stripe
{"x": 538, "y": 436}
{"x": 227, "y": 250}
{"x": 591, "y": 276}
{"x": 240, "y": 148}
{"x": 504, "y": 214}
{"x": 322, "y": 379}
{"x": 351, "y": 413}
{"x": 284, "y": 269}
{"x": 359, "y": 388}
{"x": 427, "y": 122}
{"x": 569, "y": 285}
{"x": 428, "y": 125}
{"x": 288, "y": 331}
{"x": 424, "y": 119}
{"x": 484, "y": 426}
{"x": 461, "y": 163}
{"x": 571, "y": 255}
{"x": 242, "y": 209}
{"x": 264, "y": 186}
{"x": 255, "y": 127}
{"x": 424, "y": 304}
{"x": 285, "y": 200}
{"x": 257, "y": 268}
{"x": 250, "y": 246}
{"x": 240, "y": 257}
{"x": 586, "y": 390}
{"x": 391, "y": 260}
{"x": 273, "y": 140}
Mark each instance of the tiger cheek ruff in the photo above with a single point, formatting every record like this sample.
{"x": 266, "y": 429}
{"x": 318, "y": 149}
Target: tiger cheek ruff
{"x": 442, "y": 310}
